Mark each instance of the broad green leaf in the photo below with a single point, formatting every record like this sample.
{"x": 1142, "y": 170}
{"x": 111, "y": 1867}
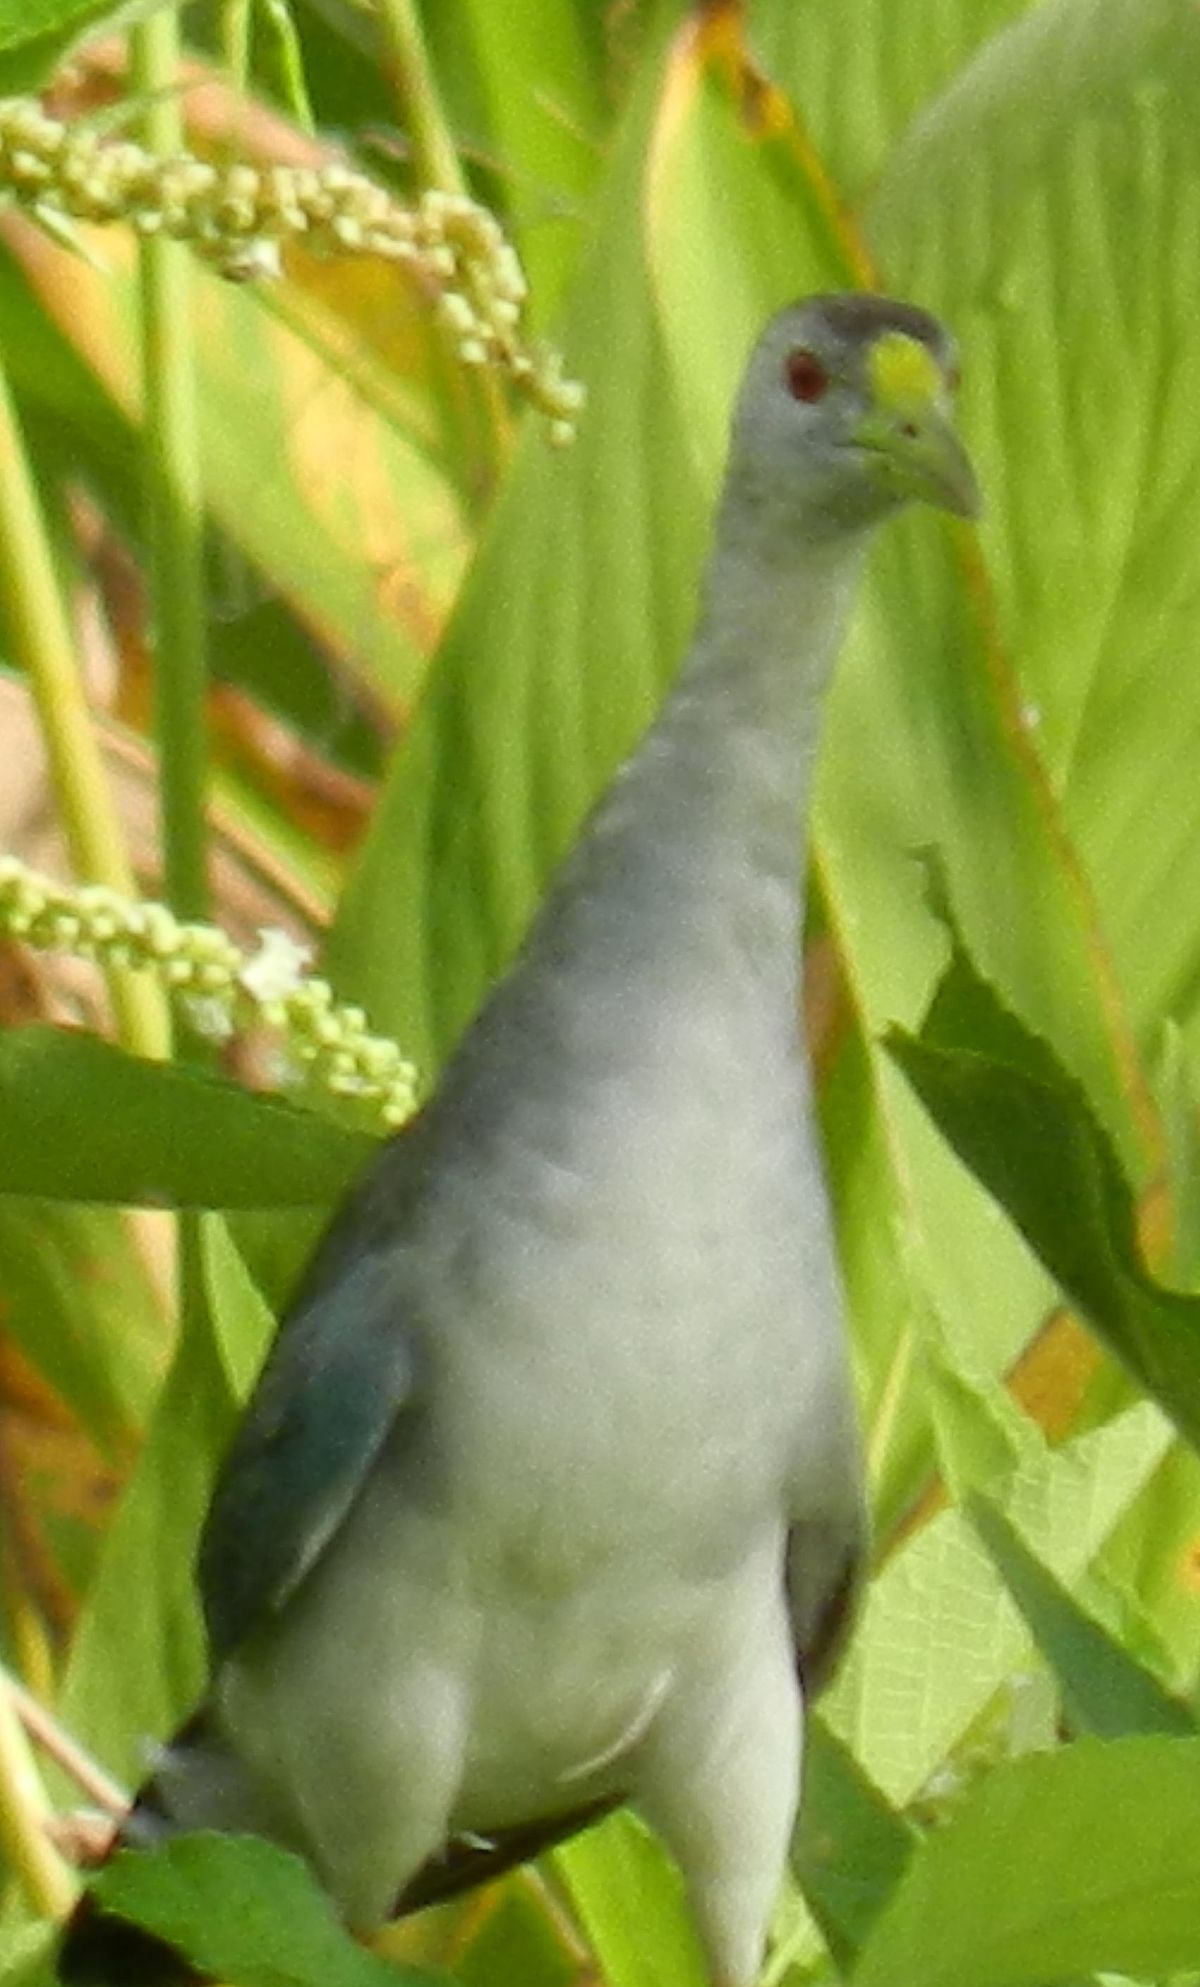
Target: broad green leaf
{"x": 1104, "y": 1690}
{"x": 315, "y": 462}
{"x": 851, "y": 1847}
{"x": 1176, "y": 1088}
{"x": 85, "y": 1121}
{"x": 1150, "y": 1569}
{"x": 1070, "y": 143}
{"x": 1025, "y": 1129}
{"x": 901, "y": 59}
{"x": 1054, "y": 1866}
{"x": 525, "y": 85}
{"x": 939, "y": 1636}
{"x": 629, "y": 1899}
{"x": 981, "y": 1435}
{"x": 243, "y": 1910}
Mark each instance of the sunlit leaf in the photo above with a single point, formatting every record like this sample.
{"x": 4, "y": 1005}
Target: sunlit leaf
{"x": 245, "y": 1911}
{"x": 1054, "y": 1866}
{"x": 851, "y": 1847}
{"x": 629, "y": 1900}
{"x": 574, "y": 614}
{"x": 1104, "y": 1690}
{"x": 939, "y": 1635}
{"x": 1025, "y": 1128}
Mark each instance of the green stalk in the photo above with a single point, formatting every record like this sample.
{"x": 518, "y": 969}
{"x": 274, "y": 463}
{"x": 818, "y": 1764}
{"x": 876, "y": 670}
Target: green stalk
{"x": 43, "y": 644}
{"x": 290, "y": 58}
{"x": 435, "y": 157}
{"x": 235, "y": 41}
{"x": 174, "y": 498}
{"x": 175, "y": 505}
{"x": 436, "y": 165}
{"x": 25, "y": 1817}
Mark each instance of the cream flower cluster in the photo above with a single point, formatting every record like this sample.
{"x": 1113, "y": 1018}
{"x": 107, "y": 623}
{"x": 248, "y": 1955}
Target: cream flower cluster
{"x": 223, "y": 987}
{"x": 237, "y": 215}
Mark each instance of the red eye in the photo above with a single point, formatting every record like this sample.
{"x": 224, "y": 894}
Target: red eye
{"x": 806, "y": 377}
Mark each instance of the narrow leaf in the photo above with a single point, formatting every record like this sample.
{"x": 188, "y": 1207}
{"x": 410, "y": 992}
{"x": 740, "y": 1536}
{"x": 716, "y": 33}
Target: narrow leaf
{"x": 1024, "y": 1127}
{"x": 629, "y": 1899}
{"x": 1104, "y": 1690}
{"x": 851, "y": 1847}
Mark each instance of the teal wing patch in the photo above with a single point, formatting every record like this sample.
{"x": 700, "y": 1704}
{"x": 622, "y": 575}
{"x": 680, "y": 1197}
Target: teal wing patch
{"x": 338, "y": 1376}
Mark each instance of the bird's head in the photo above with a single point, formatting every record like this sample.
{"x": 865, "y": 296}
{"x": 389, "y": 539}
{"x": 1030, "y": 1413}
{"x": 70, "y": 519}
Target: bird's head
{"x": 846, "y": 414}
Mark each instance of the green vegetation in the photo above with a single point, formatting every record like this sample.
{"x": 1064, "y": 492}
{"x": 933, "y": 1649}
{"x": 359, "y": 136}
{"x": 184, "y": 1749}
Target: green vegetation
{"x": 307, "y": 546}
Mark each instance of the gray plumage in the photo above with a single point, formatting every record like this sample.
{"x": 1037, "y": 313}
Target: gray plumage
{"x": 550, "y": 1493}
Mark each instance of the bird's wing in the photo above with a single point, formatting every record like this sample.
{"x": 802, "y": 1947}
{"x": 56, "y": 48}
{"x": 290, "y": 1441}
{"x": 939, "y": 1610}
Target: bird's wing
{"x": 339, "y": 1374}
{"x": 826, "y": 1560}
{"x": 468, "y": 1860}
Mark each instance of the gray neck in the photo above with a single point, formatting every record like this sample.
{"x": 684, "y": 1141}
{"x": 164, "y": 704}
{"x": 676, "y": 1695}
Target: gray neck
{"x": 690, "y": 873}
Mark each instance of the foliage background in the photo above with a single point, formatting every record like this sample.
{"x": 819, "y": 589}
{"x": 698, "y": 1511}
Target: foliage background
{"x": 431, "y": 637}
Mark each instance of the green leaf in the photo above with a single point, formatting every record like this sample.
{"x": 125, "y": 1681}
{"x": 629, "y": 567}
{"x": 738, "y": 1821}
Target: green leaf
{"x": 243, "y": 1910}
{"x": 1104, "y": 1690}
{"x": 27, "y": 1957}
{"x": 76, "y": 1297}
{"x": 574, "y": 611}
{"x": 525, "y": 86}
{"x": 939, "y": 1636}
{"x": 851, "y": 1847}
{"x": 902, "y": 59}
{"x": 519, "y": 1941}
{"x": 629, "y": 1898}
{"x": 137, "y": 1660}
{"x": 1024, "y": 1127}
{"x": 84, "y": 1121}
{"x": 35, "y": 33}
{"x": 1056, "y": 1865}
{"x": 24, "y": 20}
{"x": 243, "y": 1323}
{"x": 1071, "y": 142}
{"x": 318, "y": 445}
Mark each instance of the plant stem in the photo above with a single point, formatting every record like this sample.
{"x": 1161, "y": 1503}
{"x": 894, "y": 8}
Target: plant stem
{"x": 435, "y": 159}
{"x": 46, "y": 1731}
{"x": 436, "y": 165}
{"x": 174, "y": 497}
{"x": 235, "y": 41}
{"x": 25, "y": 1816}
{"x": 42, "y": 643}
{"x": 290, "y": 58}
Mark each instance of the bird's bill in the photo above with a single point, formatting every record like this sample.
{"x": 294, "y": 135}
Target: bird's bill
{"x": 915, "y": 452}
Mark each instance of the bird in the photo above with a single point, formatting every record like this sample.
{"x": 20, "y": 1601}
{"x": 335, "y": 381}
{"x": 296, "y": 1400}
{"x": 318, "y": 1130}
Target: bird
{"x": 550, "y": 1496}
